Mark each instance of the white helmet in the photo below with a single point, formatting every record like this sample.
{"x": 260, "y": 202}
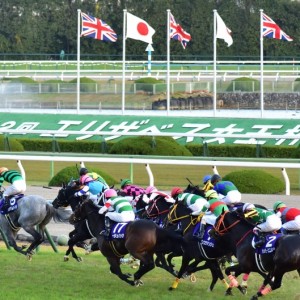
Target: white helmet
{"x": 248, "y": 206}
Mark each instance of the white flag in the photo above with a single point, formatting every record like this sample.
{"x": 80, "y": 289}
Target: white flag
{"x": 139, "y": 29}
{"x": 223, "y": 32}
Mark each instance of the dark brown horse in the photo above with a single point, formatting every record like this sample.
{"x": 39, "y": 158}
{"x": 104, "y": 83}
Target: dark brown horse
{"x": 272, "y": 263}
{"x": 142, "y": 239}
{"x": 197, "y": 250}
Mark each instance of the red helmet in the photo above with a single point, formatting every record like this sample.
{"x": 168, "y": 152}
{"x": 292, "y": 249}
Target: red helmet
{"x": 175, "y": 191}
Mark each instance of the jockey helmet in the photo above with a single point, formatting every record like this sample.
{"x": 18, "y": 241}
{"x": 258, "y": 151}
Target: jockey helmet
{"x": 175, "y": 191}
{"x": 85, "y": 179}
{"x": 125, "y": 182}
{"x": 206, "y": 178}
{"x": 248, "y": 206}
{"x": 110, "y": 193}
{"x": 278, "y": 204}
{"x": 151, "y": 189}
{"x": 211, "y": 194}
{"x": 215, "y": 178}
{"x": 3, "y": 169}
{"x": 83, "y": 171}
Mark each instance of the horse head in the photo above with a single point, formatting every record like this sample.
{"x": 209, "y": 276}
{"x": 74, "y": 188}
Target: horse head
{"x": 66, "y": 197}
{"x": 194, "y": 189}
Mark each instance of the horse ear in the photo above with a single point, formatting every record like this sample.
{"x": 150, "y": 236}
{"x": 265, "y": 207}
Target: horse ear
{"x": 223, "y": 210}
{"x": 63, "y": 185}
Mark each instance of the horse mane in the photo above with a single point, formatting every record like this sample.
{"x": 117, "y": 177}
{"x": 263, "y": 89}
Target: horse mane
{"x": 194, "y": 189}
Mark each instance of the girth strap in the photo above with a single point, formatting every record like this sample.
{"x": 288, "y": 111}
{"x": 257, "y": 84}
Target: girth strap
{"x": 11, "y": 223}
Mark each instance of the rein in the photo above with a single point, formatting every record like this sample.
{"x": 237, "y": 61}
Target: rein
{"x": 154, "y": 205}
{"x": 193, "y": 220}
{"x": 225, "y": 229}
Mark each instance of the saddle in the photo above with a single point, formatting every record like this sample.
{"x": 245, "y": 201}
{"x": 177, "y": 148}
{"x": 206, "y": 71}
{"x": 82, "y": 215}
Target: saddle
{"x": 11, "y": 205}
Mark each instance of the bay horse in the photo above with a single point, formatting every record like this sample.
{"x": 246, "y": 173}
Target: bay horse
{"x": 272, "y": 262}
{"x": 204, "y": 250}
{"x": 81, "y": 232}
{"x": 32, "y": 211}
{"x": 142, "y": 239}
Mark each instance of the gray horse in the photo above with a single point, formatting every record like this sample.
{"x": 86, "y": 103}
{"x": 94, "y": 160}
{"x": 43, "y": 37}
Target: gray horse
{"x": 33, "y": 211}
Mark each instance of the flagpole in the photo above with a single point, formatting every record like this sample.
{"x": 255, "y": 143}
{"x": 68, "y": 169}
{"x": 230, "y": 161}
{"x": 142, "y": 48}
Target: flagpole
{"x": 168, "y": 61}
{"x": 78, "y": 60}
{"x": 215, "y": 64}
{"x": 261, "y": 65}
{"x": 123, "y": 60}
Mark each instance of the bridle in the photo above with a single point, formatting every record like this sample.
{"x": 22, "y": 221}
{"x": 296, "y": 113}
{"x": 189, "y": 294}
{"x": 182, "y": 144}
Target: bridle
{"x": 154, "y": 205}
{"x": 217, "y": 228}
{"x": 172, "y": 220}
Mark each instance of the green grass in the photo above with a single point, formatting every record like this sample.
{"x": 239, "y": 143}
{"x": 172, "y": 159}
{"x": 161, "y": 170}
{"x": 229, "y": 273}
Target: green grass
{"x": 47, "y": 276}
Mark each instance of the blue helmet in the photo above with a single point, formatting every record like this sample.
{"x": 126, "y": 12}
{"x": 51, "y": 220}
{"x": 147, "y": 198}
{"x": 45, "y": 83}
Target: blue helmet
{"x": 206, "y": 178}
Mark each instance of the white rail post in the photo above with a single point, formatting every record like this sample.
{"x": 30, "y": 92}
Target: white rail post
{"x": 287, "y": 182}
{"x": 150, "y": 174}
{"x": 215, "y": 170}
{"x": 21, "y": 169}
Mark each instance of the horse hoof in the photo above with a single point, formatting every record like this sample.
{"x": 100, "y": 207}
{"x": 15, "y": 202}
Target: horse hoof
{"x": 171, "y": 289}
{"x": 66, "y": 258}
{"x": 243, "y": 290}
{"x": 193, "y": 278}
{"x": 229, "y": 292}
{"x": 79, "y": 259}
{"x": 29, "y": 256}
{"x": 138, "y": 282}
{"x": 255, "y": 297}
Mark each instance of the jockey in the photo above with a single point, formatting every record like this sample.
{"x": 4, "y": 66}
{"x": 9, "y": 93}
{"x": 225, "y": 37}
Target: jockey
{"x": 207, "y": 183}
{"x": 290, "y": 216}
{"x": 119, "y": 210}
{"x": 265, "y": 220}
{"x": 152, "y": 192}
{"x": 193, "y": 202}
{"x": 212, "y": 209}
{"x": 90, "y": 188}
{"x": 130, "y": 189}
{"x": 18, "y": 185}
{"x": 227, "y": 189}
{"x": 94, "y": 175}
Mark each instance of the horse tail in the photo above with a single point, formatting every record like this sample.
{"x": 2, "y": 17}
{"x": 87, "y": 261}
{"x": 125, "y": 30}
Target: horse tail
{"x": 59, "y": 215}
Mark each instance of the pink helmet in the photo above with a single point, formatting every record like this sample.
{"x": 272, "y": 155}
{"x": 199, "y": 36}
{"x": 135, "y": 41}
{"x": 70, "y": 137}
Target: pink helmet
{"x": 110, "y": 193}
{"x": 85, "y": 179}
{"x": 151, "y": 189}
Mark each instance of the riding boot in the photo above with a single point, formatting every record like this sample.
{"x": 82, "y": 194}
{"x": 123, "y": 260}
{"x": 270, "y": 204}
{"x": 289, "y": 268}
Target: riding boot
{"x": 107, "y": 224}
{"x": 261, "y": 239}
{"x": 6, "y": 203}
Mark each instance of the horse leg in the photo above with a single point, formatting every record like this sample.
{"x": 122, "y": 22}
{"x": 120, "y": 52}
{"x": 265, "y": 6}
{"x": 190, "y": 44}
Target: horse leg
{"x": 215, "y": 269}
{"x": 161, "y": 262}
{"x": 236, "y": 270}
{"x": 38, "y": 238}
{"x": 114, "y": 263}
{"x": 146, "y": 265}
{"x": 184, "y": 266}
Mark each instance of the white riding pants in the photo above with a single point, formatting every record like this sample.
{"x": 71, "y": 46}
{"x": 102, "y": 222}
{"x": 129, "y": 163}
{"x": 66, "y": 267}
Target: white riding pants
{"x": 232, "y": 197}
{"x": 292, "y": 225}
{"x": 272, "y": 223}
{"x": 17, "y": 187}
{"x": 125, "y": 216}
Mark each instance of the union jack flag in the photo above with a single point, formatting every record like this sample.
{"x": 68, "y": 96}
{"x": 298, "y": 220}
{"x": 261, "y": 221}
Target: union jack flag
{"x": 96, "y": 29}
{"x": 177, "y": 33}
{"x": 272, "y": 30}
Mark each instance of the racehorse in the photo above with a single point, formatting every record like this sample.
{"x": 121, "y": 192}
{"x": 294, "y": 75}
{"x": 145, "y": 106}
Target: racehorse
{"x": 204, "y": 250}
{"x": 194, "y": 189}
{"x": 280, "y": 254}
{"x": 81, "y": 232}
{"x": 32, "y": 210}
{"x": 141, "y": 239}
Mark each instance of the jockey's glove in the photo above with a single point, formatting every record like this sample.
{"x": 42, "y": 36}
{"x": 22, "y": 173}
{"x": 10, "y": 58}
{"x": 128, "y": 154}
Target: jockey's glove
{"x": 102, "y": 210}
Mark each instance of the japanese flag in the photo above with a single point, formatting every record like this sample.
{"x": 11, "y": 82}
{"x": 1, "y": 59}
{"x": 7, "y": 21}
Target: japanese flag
{"x": 138, "y": 29}
{"x": 223, "y": 32}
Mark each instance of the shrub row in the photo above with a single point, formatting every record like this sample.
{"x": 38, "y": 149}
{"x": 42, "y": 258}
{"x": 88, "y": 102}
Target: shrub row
{"x": 155, "y": 146}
